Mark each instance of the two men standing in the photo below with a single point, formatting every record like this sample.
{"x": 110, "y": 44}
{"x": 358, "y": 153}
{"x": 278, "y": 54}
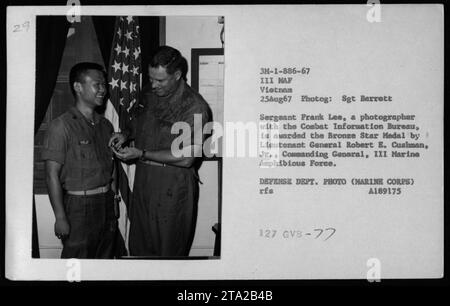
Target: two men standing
{"x": 163, "y": 209}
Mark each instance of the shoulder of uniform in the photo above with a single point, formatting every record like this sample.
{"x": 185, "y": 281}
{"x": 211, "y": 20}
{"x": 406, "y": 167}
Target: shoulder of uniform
{"x": 200, "y": 103}
{"x": 61, "y": 120}
{"x": 58, "y": 127}
{"x": 194, "y": 96}
{"x": 67, "y": 116}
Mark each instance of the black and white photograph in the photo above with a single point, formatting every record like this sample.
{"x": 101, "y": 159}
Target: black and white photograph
{"x": 225, "y": 142}
{"x": 109, "y": 90}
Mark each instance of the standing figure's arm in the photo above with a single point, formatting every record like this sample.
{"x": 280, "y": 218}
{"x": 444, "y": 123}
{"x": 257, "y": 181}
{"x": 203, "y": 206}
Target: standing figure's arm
{"x": 62, "y": 226}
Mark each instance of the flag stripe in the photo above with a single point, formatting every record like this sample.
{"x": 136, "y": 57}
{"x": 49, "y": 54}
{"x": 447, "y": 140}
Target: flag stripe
{"x": 124, "y": 74}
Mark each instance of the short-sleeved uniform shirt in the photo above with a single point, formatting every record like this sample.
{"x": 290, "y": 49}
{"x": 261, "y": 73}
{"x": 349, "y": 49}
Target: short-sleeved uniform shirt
{"x": 162, "y": 213}
{"x": 152, "y": 128}
{"x": 82, "y": 149}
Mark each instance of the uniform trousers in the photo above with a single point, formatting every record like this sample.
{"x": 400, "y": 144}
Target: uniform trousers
{"x": 163, "y": 211}
{"x": 93, "y": 226}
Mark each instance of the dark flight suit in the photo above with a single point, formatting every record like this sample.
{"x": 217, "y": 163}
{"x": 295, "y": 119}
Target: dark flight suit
{"x": 164, "y": 207}
{"x": 87, "y": 163}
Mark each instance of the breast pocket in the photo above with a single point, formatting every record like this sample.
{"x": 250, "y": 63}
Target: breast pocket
{"x": 88, "y": 162}
{"x": 86, "y": 155}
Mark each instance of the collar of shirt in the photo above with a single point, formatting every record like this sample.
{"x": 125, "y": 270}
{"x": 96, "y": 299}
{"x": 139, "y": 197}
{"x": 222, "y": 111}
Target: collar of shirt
{"x": 174, "y": 100}
{"x": 74, "y": 111}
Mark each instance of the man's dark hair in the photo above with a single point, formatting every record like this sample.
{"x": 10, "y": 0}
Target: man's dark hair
{"x": 171, "y": 59}
{"x": 78, "y": 72}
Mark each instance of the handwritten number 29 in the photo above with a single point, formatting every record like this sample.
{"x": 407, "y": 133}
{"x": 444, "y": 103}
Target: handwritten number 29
{"x": 22, "y": 27}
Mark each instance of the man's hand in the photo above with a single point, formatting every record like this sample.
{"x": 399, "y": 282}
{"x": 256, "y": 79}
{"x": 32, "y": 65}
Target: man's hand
{"x": 62, "y": 228}
{"x": 117, "y": 140}
{"x": 55, "y": 192}
{"x": 128, "y": 153}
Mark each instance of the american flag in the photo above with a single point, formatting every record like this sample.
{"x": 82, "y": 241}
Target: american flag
{"x": 124, "y": 78}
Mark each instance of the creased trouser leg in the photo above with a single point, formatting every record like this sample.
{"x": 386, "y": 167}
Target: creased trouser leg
{"x": 163, "y": 212}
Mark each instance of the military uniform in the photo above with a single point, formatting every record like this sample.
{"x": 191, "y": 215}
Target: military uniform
{"x": 164, "y": 206}
{"x": 81, "y": 147}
